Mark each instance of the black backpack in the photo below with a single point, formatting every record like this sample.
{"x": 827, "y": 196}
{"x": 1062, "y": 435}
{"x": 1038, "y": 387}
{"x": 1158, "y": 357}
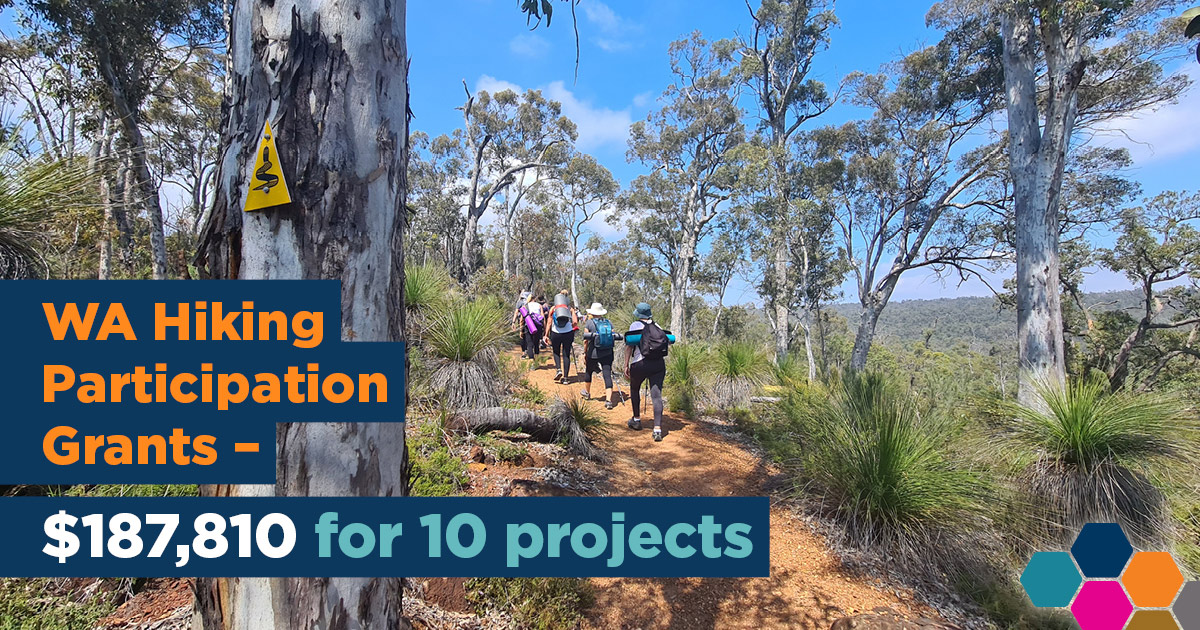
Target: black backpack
{"x": 654, "y": 344}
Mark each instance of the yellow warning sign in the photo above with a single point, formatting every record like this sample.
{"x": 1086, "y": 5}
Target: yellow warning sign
{"x": 267, "y": 186}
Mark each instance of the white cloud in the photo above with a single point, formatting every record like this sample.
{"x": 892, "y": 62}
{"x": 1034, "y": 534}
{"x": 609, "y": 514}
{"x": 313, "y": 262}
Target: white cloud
{"x": 597, "y": 126}
{"x": 614, "y": 29}
{"x": 492, "y": 84}
{"x": 613, "y": 45}
{"x": 602, "y": 16}
{"x": 643, "y": 99}
{"x": 529, "y": 45}
{"x": 1160, "y": 134}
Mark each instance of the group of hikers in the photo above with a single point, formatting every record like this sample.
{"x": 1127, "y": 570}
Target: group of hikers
{"x": 555, "y": 325}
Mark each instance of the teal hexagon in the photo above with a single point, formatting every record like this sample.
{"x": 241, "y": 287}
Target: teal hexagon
{"x": 1051, "y": 579}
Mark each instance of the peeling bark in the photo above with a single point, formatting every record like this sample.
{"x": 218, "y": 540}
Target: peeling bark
{"x": 332, "y": 80}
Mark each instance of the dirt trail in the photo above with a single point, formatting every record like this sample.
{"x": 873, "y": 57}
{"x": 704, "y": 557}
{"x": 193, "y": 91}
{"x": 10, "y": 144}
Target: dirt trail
{"x": 807, "y": 587}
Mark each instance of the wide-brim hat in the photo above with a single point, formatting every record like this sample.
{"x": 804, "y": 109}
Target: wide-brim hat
{"x": 642, "y": 311}
{"x": 597, "y": 309}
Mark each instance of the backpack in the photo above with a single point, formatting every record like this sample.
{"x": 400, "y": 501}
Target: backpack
{"x": 604, "y": 335}
{"x": 562, "y": 315}
{"x": 654, "y": 344}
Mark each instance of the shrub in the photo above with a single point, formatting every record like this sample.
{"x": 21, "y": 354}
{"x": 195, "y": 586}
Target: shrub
{"x": 465, "y": 340}
{"x": 1082, "y": 454}
{"x": 685, "y": 365}
{"x": 34, "y": 604}
{"x": 739, "y": 368}
{"x": 536, "y": 603}
{"x": 436, "y": 472}
{"x": 511, "y": 453}
{"x": 529, "y": 393}
{"x": 886, "y": 474}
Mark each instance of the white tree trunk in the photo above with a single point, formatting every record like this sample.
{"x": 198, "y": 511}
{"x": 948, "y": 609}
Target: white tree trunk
{"x": 783, "y": 315}
{"x": 332, "y": 80}
{"x": 867, "y": 321}
{"x": 1036, "y": 161}
{"x": 680, "y": 278}
{"x": 806, "y": 327}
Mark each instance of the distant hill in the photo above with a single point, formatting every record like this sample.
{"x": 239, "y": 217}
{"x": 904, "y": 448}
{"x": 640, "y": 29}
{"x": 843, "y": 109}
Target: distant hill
{"x": 978, "y": 322}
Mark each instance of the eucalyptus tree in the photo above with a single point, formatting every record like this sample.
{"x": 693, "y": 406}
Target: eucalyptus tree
{"x": 587, "y": 190}
{"x": 1158, "y": 246}
{"x": 1067, "y": 66}
{"x": 910, "y": 194}
{"x": 436, "y": 189}
{"x": 503, "y": 136}
{"x": 127, "y": 49}
{"x": 776, "y": 61}
{"x": 814, "y": 267}
{"x": 689, "y": 145}
{"x": 332, "y": 79}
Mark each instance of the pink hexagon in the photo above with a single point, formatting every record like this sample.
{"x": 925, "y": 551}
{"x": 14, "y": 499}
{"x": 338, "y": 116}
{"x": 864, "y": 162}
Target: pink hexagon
{"x": 1101, "y": 605}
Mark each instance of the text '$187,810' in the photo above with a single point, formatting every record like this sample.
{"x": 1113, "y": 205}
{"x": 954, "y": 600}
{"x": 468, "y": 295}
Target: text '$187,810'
{"x": 121, "y": 537}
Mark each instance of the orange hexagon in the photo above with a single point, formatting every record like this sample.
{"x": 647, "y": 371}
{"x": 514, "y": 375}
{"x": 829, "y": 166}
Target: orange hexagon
{"x": 1152, "y": 579}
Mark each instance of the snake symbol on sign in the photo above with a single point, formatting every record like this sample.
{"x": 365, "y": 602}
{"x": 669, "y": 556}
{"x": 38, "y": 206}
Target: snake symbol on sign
{"x": 268, "y": 179}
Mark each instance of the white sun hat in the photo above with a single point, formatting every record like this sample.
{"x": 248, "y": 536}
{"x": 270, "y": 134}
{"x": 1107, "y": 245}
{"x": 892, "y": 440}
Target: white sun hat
{"x": 597, "y": 309}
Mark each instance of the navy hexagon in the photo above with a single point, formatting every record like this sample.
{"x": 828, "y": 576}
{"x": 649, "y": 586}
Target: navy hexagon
{"x": 1101, "y": 549}
{"x": 1051, "y": 579}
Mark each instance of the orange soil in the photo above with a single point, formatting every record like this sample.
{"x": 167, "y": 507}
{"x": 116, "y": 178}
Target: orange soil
{"x": 808, "y": 588}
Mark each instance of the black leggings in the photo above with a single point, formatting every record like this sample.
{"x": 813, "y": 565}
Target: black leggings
{"x": 603, "y": 366}
{"x": 653, "y": 371}
{"x": 560, "y": 345}
{"x": 530, "y": 342}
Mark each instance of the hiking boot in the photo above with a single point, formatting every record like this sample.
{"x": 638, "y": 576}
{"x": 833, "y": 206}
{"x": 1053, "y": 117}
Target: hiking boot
{"x": 558, "y": 377}
{"x": 608, "y": 404}
{"x": 657, "y": 434}
{"x": 635, "y": 424}
{"x": 585, "y": 395}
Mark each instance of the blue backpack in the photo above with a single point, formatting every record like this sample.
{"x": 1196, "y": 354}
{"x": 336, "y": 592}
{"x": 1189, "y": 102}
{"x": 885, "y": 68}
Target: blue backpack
{"x": 604, "y": 334}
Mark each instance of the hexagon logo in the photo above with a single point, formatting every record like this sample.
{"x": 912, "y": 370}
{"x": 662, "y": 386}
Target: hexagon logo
{"x": 1187, "y": 606}
{"x": 1101, "y": 549}
{"x": 1101, "y": 605}
{"x": 1152, "y": 579}
{"x": 1051, "y": 579}
{"x": 1152, "y": 620}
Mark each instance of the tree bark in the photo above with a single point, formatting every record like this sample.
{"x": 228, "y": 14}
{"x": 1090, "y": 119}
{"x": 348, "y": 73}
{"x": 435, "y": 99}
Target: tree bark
{"x": 1037, "y": 158}
{"x": 332, "y": 79}
{"x": 560, "y": 425}
{"x": 867, "y": 322}
{"x": 783, "y": 315}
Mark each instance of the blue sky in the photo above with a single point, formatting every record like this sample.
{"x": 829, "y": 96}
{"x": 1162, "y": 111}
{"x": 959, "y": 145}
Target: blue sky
{"x": 623, "y": 69}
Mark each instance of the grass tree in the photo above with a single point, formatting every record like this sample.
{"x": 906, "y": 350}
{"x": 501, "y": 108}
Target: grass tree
{"x": 464, "y": 340}
{"x": 739, "y": 368}
{"x": 885, "y": 472}
{"x": 1081, "y": 453}
{"x": 32, "y": 194}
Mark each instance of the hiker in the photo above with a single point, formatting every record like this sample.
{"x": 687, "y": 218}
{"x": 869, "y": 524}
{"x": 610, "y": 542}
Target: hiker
{"x": 646, "y": 361}
{"x": 560, "y": 332}
{"x": 599, "y": 342}
{"x": 529, "y": 318}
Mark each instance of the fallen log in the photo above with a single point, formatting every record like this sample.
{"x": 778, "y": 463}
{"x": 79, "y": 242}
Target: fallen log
{"x": 765, "y": 399}
{"x": 558, "y": 426}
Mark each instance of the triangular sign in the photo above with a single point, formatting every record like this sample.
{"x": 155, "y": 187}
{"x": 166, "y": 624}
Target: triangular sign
{"x": 267, "y": 185}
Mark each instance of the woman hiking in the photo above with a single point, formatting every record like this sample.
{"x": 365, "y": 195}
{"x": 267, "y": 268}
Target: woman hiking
{"x": 529, "y": 319}
{"x": 646, "y": 347}
{"x": 599, "y": 342}
{"x": 560, "y": 332}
